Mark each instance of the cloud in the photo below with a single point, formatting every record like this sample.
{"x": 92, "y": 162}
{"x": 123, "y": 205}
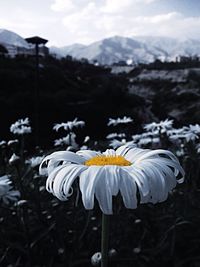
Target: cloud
{"x": 63, "y": 5}
{"x": 92, "y": 24}
{"x": 116, "y": 6}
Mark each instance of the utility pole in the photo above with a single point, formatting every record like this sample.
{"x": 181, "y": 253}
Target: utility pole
{"x": 37, "y": 41}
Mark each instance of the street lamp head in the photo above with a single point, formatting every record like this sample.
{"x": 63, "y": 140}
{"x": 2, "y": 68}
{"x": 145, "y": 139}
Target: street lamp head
{"x": 36, "y": 40}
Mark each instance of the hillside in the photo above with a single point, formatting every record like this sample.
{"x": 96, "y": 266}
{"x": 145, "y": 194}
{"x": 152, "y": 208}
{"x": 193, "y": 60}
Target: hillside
{"x": 70, "y": 88}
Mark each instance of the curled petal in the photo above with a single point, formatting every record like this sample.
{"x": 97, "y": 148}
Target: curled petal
{"x": 61, "y": 180}
{"x": 54, "y": 159}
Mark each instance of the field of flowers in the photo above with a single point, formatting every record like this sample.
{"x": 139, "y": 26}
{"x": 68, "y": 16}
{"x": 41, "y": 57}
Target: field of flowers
{"x": 37, "y": 229}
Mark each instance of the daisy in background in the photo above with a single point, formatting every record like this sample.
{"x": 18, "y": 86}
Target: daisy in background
{"x": 147, "y": 138}
{"x": 115, "y": 135}
{"x": 21, "y": 127}
{"x": 7, "y": 194}
{"x": 3, "y": 143}
{"x": 70, "y": 139}
{"x": 69, "y": 126}
{"x": 160, "y": 127}
{"x": 115, "y": 122}
{"x": 115, "y": 143}
{"x": 187, "y": 133}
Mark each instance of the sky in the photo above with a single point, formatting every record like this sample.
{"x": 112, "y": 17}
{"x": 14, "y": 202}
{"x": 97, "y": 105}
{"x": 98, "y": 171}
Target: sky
{"x": 65, "y": 22}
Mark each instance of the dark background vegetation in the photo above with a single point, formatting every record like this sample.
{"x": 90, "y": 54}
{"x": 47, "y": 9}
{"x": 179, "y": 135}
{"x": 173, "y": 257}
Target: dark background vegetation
{"x": 70, "y": 88}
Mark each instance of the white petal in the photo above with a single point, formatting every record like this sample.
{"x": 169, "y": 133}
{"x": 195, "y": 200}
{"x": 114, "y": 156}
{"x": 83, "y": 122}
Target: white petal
{"x": 128, "y": 190}
{"x": 51, "y": 177}
{"x": 122, "y": 150}
{"x": 140, "y": 179}
{"x": 107, "y": 187}
{"x": 170, "y": 177}
{"x": 157, "y": 152}
{"x": 109, "y": 152}
{"x": 133, "y": 154}
{"x": 88, "y": 154}
{"x": 158, "y": 189}
{"x": 88, "y": 181}
{"x": 61, "y": 156}
{"x": 103, "y": 192}
{"x": 60, "y": 180}
{"x": 65, "y": 178}
{"x": 113, "y": 178}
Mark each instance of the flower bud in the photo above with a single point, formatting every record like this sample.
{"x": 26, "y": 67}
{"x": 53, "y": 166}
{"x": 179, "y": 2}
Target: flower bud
{"x": 14, "y": 160}
{"x": 96, "y": 259}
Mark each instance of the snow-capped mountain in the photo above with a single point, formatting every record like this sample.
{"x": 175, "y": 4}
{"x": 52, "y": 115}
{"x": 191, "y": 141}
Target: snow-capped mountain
{"x": 171, "y": 47}
{"x": 11, "y": 38}
{"x": 111, "y": 50}
{"x": 138, "y": 49}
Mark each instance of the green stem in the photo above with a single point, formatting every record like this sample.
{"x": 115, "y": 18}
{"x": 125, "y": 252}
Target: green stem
{"x": 104, "y": 240}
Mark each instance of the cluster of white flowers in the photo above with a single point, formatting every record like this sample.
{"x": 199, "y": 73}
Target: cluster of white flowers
{"x": 7, "y": 194}
{"x": 154, "y": 132}
{"x": 115, "y": 122}
{"x": 21, "y": 127}
{"x": 68, "y": 126}
{"x": 160, "y": 127}
{"x": 70, "y": 139}
{"x": 187, "y": 133}
{"x": 146, "y": 138}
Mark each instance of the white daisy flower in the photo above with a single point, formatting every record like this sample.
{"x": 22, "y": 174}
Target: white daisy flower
{"x": 68, "y": 126}
{"x": 114, "y": 135}
{"x": 161, "y": 126}
{"x": 116, "y": 143}
{"x": 190, "y": 133}
{"x": 146, "y": 138}
{"x": 6, "y": 193}
{"x": 117, "y": 121}
{"x": 194, "y": 128}
{"x": 96, "y": 259}
{"x": 67, "y": 140}
{"x": 2, "y": 143}
{"x": 21, "y": 127}
{"x": 129, "y": 170}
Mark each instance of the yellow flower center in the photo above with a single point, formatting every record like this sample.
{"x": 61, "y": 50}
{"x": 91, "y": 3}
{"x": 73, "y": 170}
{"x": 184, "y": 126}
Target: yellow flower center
{"x": 108, "y": 160}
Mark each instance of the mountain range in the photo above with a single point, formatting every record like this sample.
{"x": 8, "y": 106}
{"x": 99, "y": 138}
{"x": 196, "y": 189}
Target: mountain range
{"x": 138, "y": 49}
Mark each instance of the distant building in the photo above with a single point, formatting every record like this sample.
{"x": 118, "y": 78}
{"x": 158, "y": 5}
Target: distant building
{"x": 186, "y": 59}
{"x": 13, "y": 51}
{"x": 37, "y": 44}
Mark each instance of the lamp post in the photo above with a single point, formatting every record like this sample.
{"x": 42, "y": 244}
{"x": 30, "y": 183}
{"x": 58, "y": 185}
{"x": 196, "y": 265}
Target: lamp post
{"x": 37, "y": 41}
